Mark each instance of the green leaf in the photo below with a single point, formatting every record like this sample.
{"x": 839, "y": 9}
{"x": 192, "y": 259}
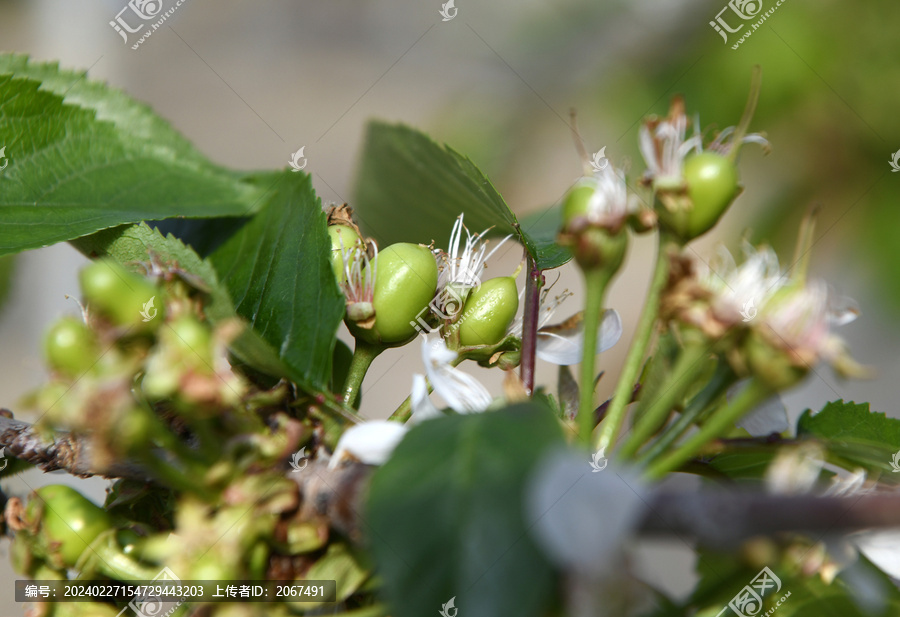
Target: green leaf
{"x": 278, "y": 272}
{"x": 135, "y": 243}
{"x": 855, "y": 436}
{"x": 411, "y": 189}
{"x": 83, "y": 157}
{"x": 446, "y": 515}
{"x": 840, "y": 420}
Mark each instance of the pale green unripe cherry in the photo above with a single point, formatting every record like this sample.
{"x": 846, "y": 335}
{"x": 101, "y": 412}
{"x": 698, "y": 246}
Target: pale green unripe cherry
{"x": 71, "y": 347}
{"x": 488, "y": 312}
{"x": 576, "y": 203}
{"x": 405, "y": 281}
{"x": 772, "y": 366}
{"x": 342, "y": 238}
{"x": 121, "y": 295}
{"x": 712, "y": 184}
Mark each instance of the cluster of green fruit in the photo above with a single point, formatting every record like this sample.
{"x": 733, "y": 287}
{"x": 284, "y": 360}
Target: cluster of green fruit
{"x": 404, "y": 284}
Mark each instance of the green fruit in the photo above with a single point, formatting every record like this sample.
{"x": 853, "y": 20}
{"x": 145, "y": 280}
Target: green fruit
{"x": 71, "y": 347}
{"x": 576, "y": 203}
{"x": 69, "y": 522}
{"x": 342, "y": 237}
{"x": 405, "y": 282}
{"x": 712, "y": 186}
{"x": 488, "y": 312}
{"x": 192, "y": 340}
{"x": 123, "y": 297}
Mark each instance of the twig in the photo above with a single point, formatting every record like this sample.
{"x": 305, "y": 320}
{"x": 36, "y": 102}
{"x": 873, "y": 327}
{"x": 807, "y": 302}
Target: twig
{"x": 533, "y": 282}
{"x": 727, "y": 517}
{"x": 64, "y": 451}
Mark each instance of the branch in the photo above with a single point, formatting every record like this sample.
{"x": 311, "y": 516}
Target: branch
{"x": 725, "y": 517}
{"x": 337, "y": 495}
{"x": 64, "y": 451}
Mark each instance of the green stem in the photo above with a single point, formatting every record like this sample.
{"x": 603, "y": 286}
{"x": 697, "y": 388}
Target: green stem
{"x": 754, "y": 393}
{"x": 657, "y": 408}
{"x": 362, "y": 360}
{"x": 716, "y": 387}
{"x": 622, "y": 396}
{"x": 595, "y": 282}
{"x": 187, "y": 480}
{"x": 104, "y": 555}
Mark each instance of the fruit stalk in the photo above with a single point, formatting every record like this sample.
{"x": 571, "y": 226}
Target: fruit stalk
{"x": 622, "y": 396}
{"x": 363, "y": 355}
{"x": 754, "y": 393}
{"x": 595, "y": 282}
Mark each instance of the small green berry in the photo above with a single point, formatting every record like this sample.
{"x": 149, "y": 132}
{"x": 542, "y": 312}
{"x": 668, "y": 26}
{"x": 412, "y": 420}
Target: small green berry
{"x": 488, "y": 312}
{"x": 71, "y": 347}
{"x": 125, "y": 298}
{"x": 712, "y": 184}
{"x": 69, "y": 522}
{"x": 405, "y": 282}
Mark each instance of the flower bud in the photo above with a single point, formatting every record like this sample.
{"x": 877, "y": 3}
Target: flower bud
{"x": 488, "y": 312}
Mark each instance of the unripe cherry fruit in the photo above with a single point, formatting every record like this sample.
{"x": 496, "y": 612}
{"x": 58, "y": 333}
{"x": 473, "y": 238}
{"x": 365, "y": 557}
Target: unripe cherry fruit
{"x": 488, "y": 312}
{"x": 577, "y": 202}
{"x": 405, "y": 281}
{"x": 342, "y": 237}
{"x": 69, "y": 522}
{"x": 712, "y": 184}
{"x": 120, "y": 294}
{"x": 71, "y": 347}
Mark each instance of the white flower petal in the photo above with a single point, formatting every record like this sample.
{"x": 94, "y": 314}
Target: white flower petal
{"x": 565, "y": 347}
{"x": 462, "y": 392}
{"x": 368, "y": 442}
{"x": 881, "y": 548}
{"x": 422, "y": 407}
{"x": 769, "y": 417}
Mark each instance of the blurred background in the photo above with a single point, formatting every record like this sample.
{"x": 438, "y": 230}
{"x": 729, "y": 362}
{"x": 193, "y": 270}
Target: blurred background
{"x": 251, "y": 82}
